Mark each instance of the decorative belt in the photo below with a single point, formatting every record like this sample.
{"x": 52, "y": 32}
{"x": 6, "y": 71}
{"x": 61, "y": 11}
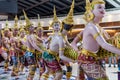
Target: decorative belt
{"x": 88, "y": 53}
{"x": 23, "y": 47}
{"x": 4, "y": 48}
{"x": 31, "y": 50}
{"x": 54, "y": 54}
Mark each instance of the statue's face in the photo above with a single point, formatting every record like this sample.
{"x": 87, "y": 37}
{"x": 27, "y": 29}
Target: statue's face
{"x": 56, "y": 26}
{"x": 40, "y": 32}
{"x": 99, "y": 10}
{"x": 22, "y": 33}
{"x": 31, "y": 29}
{"x": 10, "y": 34}
{"x": 6, "y": 33}
{"x": 15, "y": 32}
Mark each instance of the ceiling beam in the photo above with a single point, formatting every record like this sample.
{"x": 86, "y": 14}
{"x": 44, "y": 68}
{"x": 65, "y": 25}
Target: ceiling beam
{"x": 22, "y": 5}
{"x": 81, "y": 7}
{"x": 43, "y": 1}
{"x": 63, "y": 4}
{"x": 46, "y": 7}
{"x": 76, "y": 4}
{"x": 69, "y": 1}
{"x": 33, "y": 1}
{"x": 39, "y": 3}
{"x": 33, "y": 12}
{"x": 113, "y": 3}
{"x": 25, "y": 2}
{"x": 36, "y": 12}
{"x": 41, "y": 9}
{"x": 30, "y": 15}
{"x": 117, "y": 1}
{"x": 52, "y": 5}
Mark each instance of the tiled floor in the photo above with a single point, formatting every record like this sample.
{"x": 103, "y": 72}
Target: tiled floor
{"x": 111, "y": 72}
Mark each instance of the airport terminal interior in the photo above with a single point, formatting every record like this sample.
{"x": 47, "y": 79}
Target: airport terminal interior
{"x": 46, "y": 40}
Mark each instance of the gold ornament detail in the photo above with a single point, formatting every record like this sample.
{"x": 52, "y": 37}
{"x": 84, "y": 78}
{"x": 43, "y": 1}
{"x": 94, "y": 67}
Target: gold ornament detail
{"x": 21, "y": 27}
{"x": 16, "y": 22}
{"x": 69, "y": 18}
{"x": 6, "y": 25}
{"x": 88, "y": 15}
{"x": 55, "y": 18}
{"x": 39, "y": 27}
{"x": 117, "y": 40}
{"x": 94, "y": 2}
{"x": 28, "y": 23}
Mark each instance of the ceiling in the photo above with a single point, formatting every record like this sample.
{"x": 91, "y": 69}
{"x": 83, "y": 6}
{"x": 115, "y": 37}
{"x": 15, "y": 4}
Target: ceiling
{"x": 45, "y": 7}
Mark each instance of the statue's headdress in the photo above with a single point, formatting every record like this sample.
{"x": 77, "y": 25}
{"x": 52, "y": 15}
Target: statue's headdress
{"x": 69, "y": 18}
{"x": 39, "y": 24}
{"x": 16, "y": 22}
{"x": 69, "y": 21}
{"x": 28, "y": 23}
{"x": 21, "y": 27}
{"x": 88, "y": 15}
{"x": 97, "y": 2}
{"x": 55, "y": 18}
{"x": 6, "y": 25}
{"x": 6, "y": 28}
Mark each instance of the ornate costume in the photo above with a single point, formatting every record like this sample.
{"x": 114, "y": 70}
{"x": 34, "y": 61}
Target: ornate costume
{"x": 30, "y": 53}
{"x": 4, "y": 49}
{"x": 102, "y": 53}
{"x": 70, "y": 52}
{"x": 51, "y": 58}
{"x": 13, "y": 51}
{"x": 67, "y": 24}
{"x": 117, "y": 44}
{"x": 89, "y": 61}
{"x": 39, "y": 41}
{"x": 23, "y": 48}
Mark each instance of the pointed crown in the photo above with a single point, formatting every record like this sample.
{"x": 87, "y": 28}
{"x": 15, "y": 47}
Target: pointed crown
{"x": 21, "y": 27}
{"x": 6, "y": 25}
{"x": 88, "y": 15}
{"x": 69, "y": 18}
{"x": 28, "y": 23}
{"x": 97, "y": 2}
{"x": 2, "y": 33}
{"x": 91, "y": 5}
{"x": 88, "y": 5}
{"x": 39, "y": 24}
{"x": 55, "y": 18}
{"x": 16, "y": 22}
